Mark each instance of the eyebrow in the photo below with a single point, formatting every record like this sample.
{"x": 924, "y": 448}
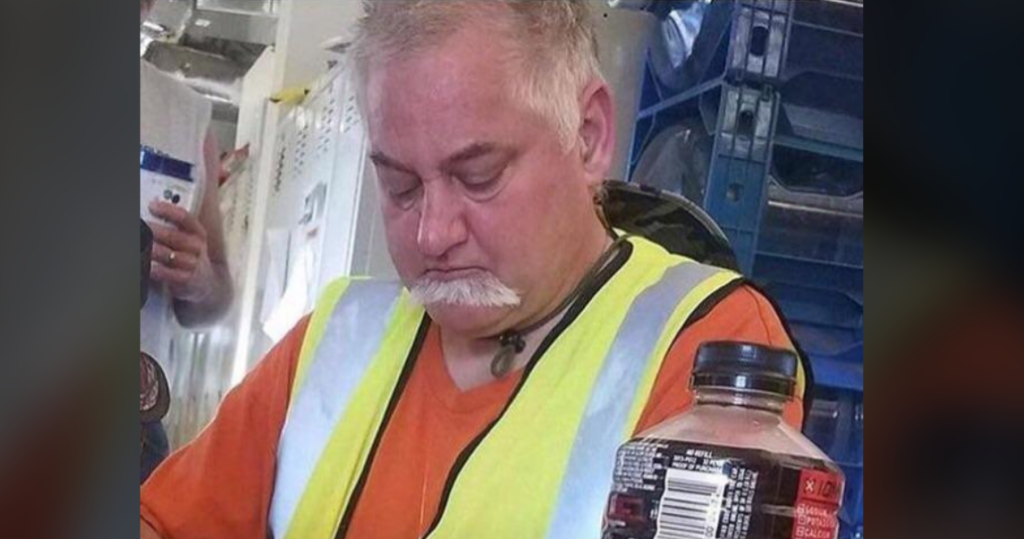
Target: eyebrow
{"x": 473, "y": 151}
{"x": 381, "y": 159}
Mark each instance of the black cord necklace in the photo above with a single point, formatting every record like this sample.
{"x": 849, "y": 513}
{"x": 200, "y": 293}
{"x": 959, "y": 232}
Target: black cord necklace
{"x": 512, "y": 342}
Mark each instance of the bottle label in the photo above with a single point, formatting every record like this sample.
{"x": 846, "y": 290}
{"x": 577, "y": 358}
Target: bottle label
{"x": 817, "y": 505}
{"x": 678, "y": 490}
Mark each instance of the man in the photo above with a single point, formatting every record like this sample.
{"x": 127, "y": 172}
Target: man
{"x": 189, "y": 270}
{"x": 487, "y": 397}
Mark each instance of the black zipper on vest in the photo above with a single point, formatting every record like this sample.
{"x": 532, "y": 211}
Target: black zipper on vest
{"x": 403, "y": 380}
{"x": 570, "y": 316}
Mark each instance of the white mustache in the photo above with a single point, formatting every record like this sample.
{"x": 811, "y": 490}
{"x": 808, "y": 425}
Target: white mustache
{"x": 485, "y": 290}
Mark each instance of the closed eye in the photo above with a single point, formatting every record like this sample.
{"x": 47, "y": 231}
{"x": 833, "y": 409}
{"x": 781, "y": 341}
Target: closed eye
{"x": 484, "y": 177}
{"x": 405, "y": 198}
{"x": 401, "y": 188}
{"x": 482, "y": 183}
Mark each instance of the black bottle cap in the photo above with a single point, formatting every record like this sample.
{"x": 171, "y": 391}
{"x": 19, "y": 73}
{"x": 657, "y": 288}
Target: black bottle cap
{"x": 745, "y": 367}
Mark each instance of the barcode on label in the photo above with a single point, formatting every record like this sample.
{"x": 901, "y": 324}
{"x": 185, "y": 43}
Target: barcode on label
{"x": 691, "y": 505}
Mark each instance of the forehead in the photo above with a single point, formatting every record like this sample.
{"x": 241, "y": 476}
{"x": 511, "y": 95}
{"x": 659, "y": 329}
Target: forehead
{"x": 448, "y": 93}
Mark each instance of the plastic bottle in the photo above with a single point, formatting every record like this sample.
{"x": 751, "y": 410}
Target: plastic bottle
{"x": 730, "y": 467}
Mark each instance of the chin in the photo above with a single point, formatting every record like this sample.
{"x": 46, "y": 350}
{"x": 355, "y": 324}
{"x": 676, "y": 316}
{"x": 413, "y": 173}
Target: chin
{"x": 475, "y": 322}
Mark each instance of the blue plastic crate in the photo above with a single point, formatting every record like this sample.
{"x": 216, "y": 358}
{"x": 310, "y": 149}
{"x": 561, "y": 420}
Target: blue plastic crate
{"x": 778, "y": 88}
{"x": 773, "y": 41}
{"x": 811, "y": 52}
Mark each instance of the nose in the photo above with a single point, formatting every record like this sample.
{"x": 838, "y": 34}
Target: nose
{"x": 442, "y": 221}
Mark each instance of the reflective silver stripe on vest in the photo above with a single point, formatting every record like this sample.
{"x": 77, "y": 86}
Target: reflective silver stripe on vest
{"x": 350, "y": 341}
{"x": 588, "y": 476}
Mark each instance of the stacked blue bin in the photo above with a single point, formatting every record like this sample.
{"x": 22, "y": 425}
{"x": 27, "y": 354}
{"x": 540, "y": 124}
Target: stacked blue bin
{"x": 768, "y": 96}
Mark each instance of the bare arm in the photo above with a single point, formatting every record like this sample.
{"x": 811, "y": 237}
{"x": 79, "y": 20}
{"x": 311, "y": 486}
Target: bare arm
{"x": 212, "y": 278}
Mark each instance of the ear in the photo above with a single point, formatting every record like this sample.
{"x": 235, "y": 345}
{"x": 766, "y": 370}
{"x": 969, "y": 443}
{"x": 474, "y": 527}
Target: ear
{"x": 597, "y": 131}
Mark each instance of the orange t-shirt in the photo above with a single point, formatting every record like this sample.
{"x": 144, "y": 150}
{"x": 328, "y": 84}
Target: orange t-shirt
{"x": 220, "y": 485}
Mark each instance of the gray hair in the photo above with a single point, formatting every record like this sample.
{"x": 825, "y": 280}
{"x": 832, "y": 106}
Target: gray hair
{"x": 553, "y": 41}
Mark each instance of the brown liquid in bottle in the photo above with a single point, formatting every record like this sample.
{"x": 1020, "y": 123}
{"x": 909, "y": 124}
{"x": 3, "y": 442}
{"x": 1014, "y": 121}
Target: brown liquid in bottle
{"x": 730, "y": 467}
{"x": 667, "y": 489}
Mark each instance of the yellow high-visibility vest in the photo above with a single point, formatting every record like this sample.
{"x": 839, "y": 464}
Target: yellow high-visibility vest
{"x": 544, "y": 468}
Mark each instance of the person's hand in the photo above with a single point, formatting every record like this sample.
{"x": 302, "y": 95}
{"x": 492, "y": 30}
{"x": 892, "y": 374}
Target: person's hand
{"x": 180, "y": 257}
